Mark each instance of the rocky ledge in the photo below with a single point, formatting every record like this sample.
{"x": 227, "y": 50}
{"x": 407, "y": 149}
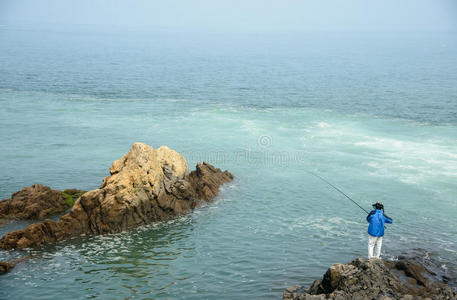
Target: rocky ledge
{"x": 374, "y": 279}
{"x": 37, "y": 202}
{"x": 145, "y": 185}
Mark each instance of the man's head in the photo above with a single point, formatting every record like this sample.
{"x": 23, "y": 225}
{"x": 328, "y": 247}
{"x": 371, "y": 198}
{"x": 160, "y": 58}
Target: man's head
{"x": 378, "y": 205}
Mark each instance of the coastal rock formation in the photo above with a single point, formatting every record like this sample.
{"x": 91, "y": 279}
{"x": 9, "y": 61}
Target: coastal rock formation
{"x": 374, "y": 279}
{"x": 37, "y": 202}
{"x": 206, "y": 180}
{"x": 145, "y": 185}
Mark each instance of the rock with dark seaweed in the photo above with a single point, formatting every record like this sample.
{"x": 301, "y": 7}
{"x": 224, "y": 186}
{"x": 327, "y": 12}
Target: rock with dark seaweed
{"x": 70, "y": 196}
{"x": 145, "y": 185}
{"x": 37, "y": 202}
{"x": 374, "y": 279}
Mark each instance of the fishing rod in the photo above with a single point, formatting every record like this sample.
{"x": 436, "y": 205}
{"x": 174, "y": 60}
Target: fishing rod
{"x": 337, "y": 190}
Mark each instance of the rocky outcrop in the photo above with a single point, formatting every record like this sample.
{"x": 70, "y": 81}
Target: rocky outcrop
{"x": 374, "y": 279}
{"x": 206, "y": 180}
{"x": 145, "y": 185}
{"x": 37, "y": 202}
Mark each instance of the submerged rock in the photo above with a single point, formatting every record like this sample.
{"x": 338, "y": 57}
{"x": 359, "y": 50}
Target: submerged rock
{"x": 145, "y": 185}
{"x": 37, "y": 202}
{"x": 374, "y": 279}
{"x": 5, "y": 267}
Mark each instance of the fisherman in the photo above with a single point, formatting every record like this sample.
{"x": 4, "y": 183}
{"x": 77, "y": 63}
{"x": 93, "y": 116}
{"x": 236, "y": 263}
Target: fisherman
{"x": 377, "y": 218}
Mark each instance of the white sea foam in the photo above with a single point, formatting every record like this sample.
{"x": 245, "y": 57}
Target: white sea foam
{"x": 323, "y": 125}
{"x": 251, "y": 127}
{"x": 409, "y": 160}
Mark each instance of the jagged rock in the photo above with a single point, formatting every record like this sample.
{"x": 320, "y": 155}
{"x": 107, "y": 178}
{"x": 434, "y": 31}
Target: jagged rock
{"x": 145, "y": 185}
{"x": 36, "y": 202}
{"x": 206, "y": 180}
{"x": 374, "y": 279}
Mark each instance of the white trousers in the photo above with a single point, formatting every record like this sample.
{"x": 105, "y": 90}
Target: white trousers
{"x": 372, "y": 242}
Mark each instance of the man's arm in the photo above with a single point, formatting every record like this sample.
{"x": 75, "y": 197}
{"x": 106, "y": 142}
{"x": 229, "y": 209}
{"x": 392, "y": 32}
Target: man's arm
{"x": 388, "y": 219}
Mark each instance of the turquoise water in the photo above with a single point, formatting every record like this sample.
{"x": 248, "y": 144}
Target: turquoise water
{"x": 375, "y": 115}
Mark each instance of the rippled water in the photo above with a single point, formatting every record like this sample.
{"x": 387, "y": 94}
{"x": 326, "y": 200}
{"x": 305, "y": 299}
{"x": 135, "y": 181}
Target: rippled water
{"x": 375, "y": 116}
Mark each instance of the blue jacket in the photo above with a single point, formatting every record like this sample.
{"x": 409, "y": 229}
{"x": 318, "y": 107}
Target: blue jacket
{"x": 377, "y": 219}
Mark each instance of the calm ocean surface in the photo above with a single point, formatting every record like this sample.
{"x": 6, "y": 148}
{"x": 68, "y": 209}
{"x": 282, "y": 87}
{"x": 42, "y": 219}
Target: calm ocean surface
{"x": 376, "y": 114}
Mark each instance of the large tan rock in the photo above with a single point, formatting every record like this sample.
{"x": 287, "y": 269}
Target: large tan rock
{"x": 145, "y": 185}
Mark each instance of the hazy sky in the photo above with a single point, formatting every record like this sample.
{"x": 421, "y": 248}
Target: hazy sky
{"x": 240, "y": 15}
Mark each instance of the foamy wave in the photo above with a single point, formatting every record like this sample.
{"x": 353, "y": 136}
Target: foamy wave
{"x": 323, "y": 125}
{"x": 408, "y": 160}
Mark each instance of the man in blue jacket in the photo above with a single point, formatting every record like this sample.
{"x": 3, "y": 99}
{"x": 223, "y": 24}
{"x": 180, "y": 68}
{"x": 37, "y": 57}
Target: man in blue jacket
{"x": 377, "y": 219}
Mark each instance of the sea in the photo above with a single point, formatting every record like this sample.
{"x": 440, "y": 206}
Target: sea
{"x": 373, "y": 113}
